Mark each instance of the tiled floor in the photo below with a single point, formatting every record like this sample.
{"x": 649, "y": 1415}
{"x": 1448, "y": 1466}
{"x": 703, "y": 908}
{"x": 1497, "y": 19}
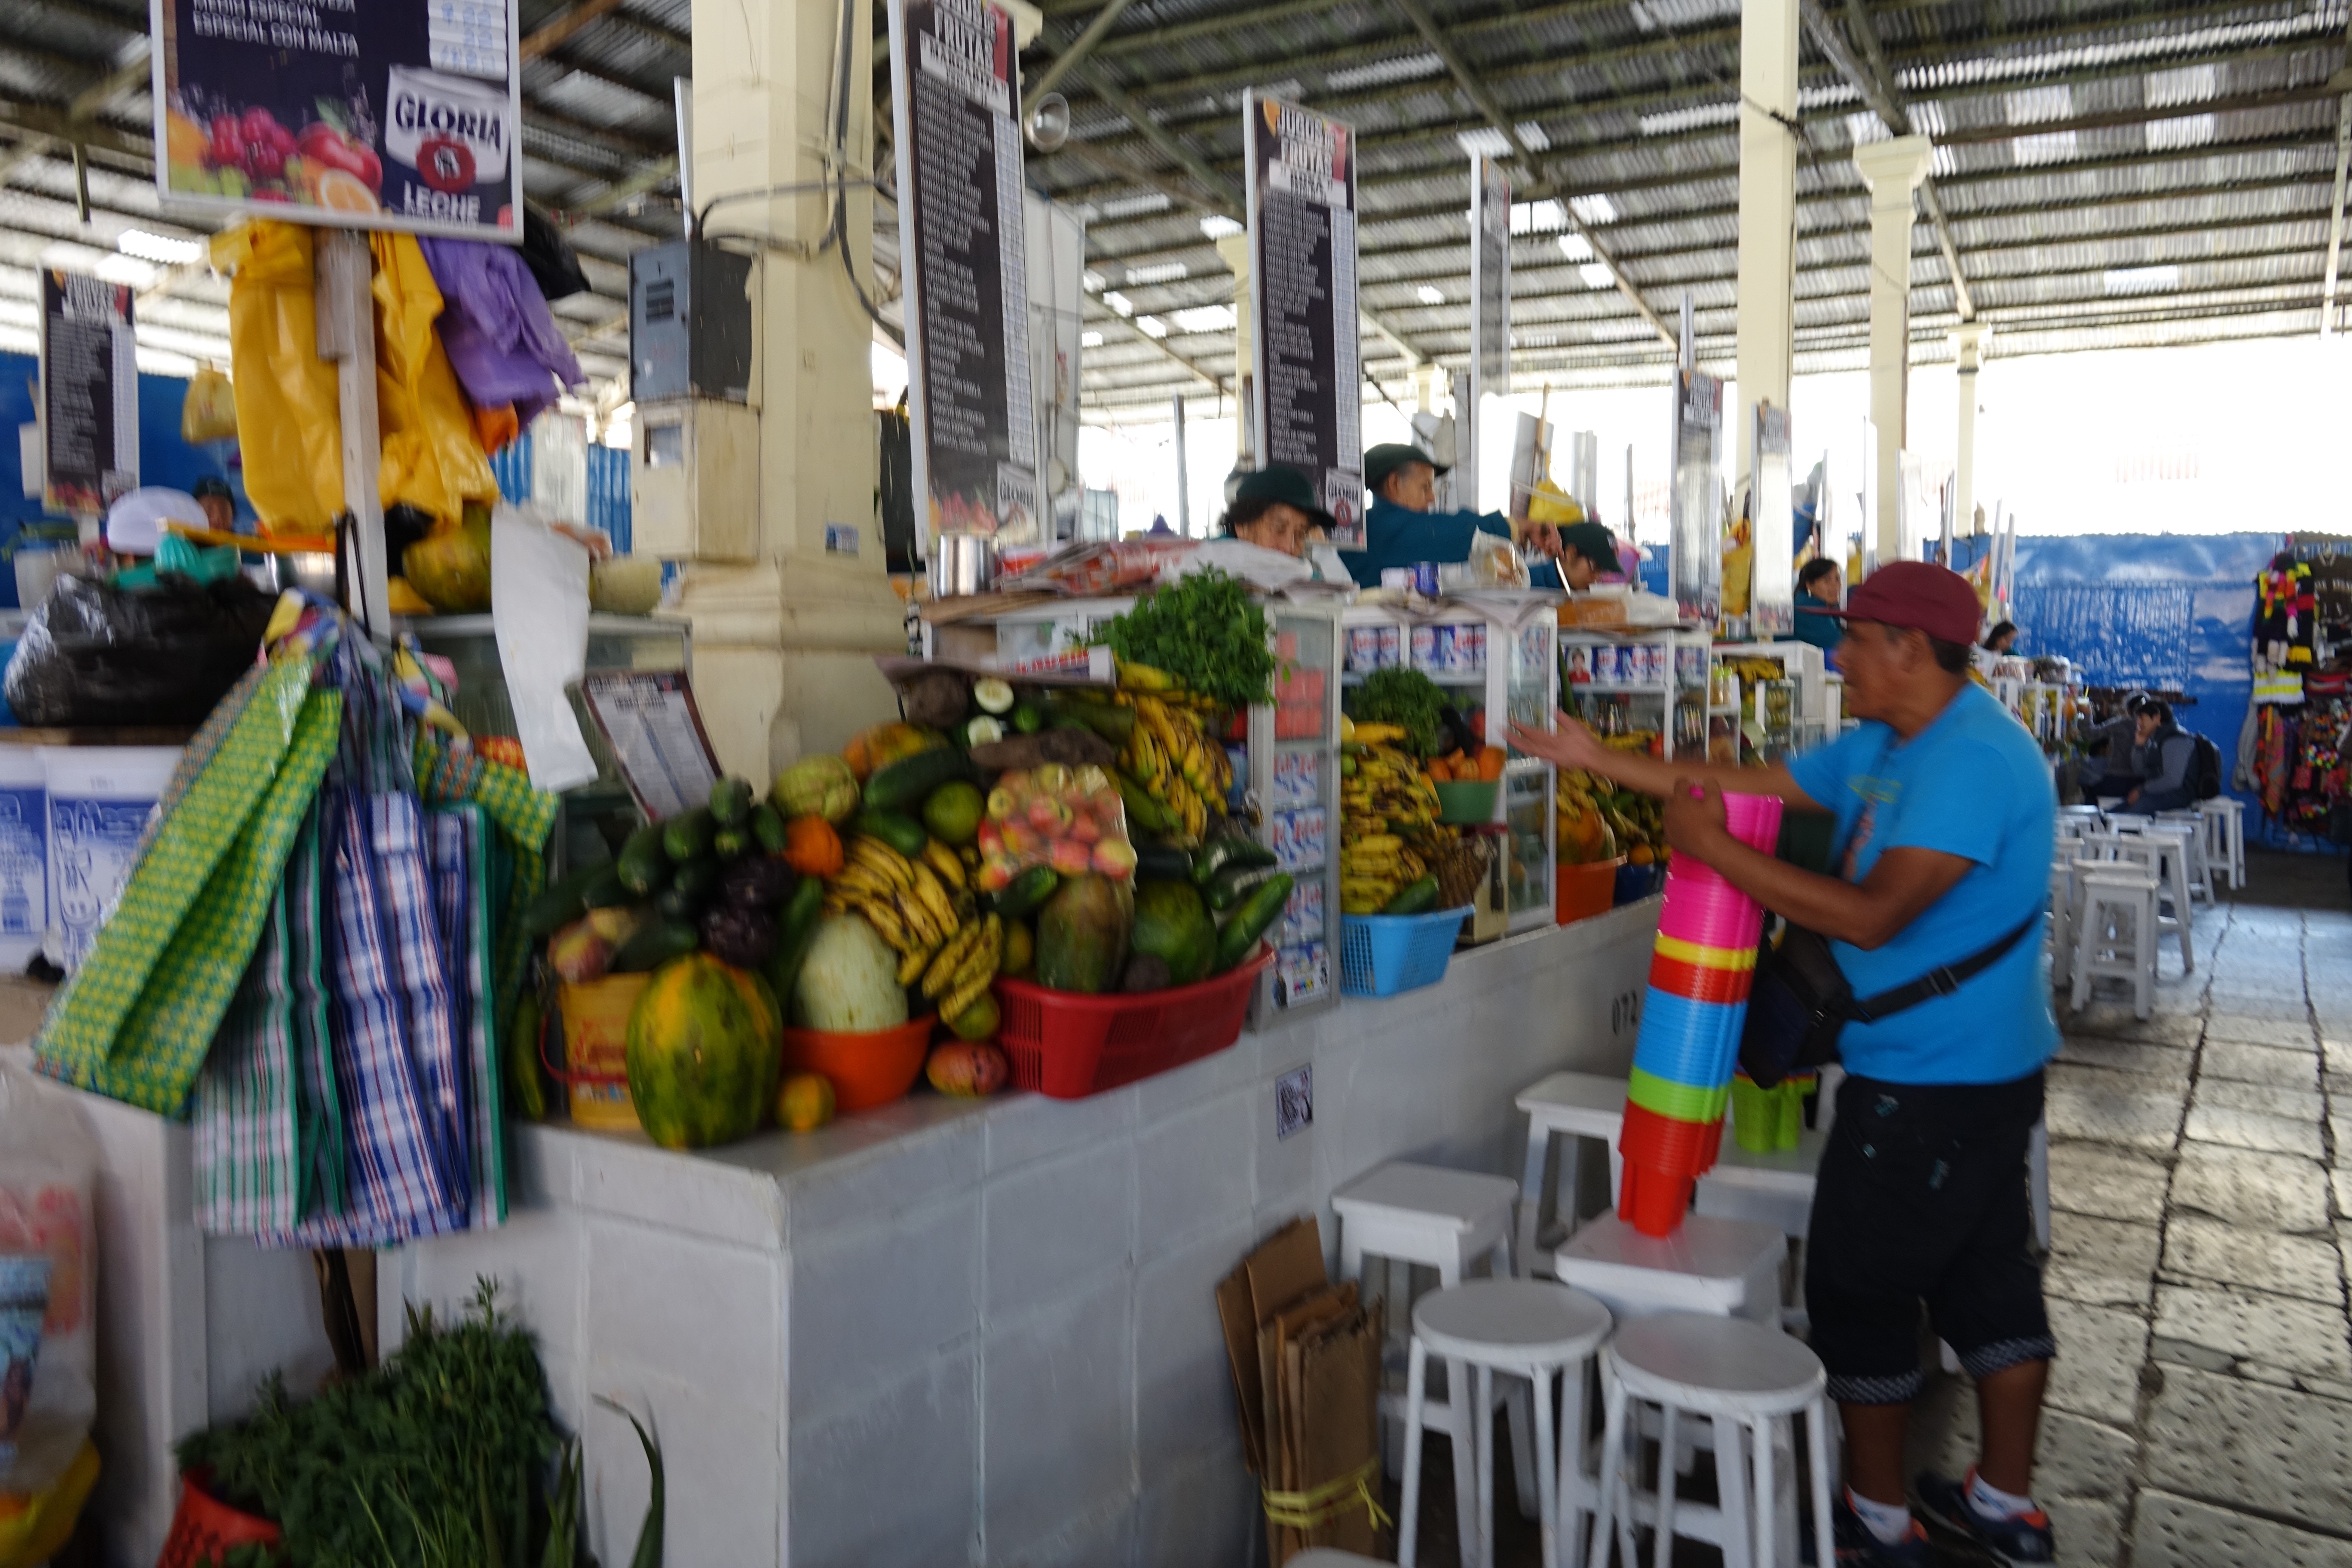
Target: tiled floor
{"x": 2201, "y": 1408}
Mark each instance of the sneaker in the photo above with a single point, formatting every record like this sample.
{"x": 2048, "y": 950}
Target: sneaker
{"x": 2023, "y": 1539}
{"x": 1858, "y": 1548}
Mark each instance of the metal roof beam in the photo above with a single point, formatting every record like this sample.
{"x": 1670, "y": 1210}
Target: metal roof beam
{"x": 565, "y": 23}
{"x": 2342, "y": 78}
{"x": 1078, "y": 49}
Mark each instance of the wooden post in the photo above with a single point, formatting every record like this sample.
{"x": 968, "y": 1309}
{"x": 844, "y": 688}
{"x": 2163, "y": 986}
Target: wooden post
{"x": 345, "y": 269}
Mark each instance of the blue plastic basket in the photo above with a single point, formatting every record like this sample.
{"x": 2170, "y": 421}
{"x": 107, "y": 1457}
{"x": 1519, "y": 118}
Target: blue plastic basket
{"x": 1380, "y": 956}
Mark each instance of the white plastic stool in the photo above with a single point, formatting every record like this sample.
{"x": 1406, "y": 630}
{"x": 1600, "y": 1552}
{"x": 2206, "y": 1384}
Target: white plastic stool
{"x": 1575, "y": 1106}
{"x": 2157, "y": 851}
{"x": 1774, "y": 1188}
{"x": 1725, "y": 1267}
{"x": 2115, "y": 898}
{"x": 2225, "y": 845}
{"x": 1749, "y": 1383}
{"x": 2173, "y": 841}
{"x": 2192, "y": 823}
{"x": 1446, "y": 1220}
{"x": 2061, "y": 909}
{"x": 1523, "y": 1329}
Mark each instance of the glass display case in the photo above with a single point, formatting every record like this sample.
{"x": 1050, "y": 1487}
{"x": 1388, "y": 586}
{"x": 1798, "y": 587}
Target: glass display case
{"x": 1285, "y": 757}
{"x": 1785, "y": 697}
{"x": 1653, "y": 684}
{"x": 1494, "y": 654}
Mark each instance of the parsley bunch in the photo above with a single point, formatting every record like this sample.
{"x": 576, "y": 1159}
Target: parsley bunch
{"x": 1206, "y": 631}
{"x": 1404, "y": 696}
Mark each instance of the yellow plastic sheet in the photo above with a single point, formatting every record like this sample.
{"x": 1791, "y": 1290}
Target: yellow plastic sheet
{"x": 35, "y": 1529}
{"x": 431, "y": 458}
{"x": 286, "y": 400}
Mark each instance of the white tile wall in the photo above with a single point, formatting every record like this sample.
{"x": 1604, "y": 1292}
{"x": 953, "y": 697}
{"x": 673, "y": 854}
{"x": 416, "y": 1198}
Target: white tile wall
{"x": 988, "y": 1335}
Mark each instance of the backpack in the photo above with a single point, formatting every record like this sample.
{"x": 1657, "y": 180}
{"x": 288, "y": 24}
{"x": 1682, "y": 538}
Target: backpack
{"x": 2205, "y": 772}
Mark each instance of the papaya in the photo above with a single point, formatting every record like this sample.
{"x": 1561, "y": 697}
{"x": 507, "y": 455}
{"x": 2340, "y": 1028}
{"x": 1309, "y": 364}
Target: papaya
{"x": 1082, "y": 934}
{"x": 1173, "y": 924}
{"x": 704, "y": 1049}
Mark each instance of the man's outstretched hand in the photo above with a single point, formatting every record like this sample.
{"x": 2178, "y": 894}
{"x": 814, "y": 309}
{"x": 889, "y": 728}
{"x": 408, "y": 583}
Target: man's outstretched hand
{"x": 1695, "y": 818}
{"x": 1570, "y": 745}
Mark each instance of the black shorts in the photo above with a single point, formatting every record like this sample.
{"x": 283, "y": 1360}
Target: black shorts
{"x": 1923, "y": 1197}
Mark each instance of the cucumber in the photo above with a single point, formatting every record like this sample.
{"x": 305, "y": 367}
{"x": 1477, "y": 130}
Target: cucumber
{"x": 644, "y": 864}
{"x": 605, "y": 889}
{"x": 731, "y": 803}
{"x": 526, "y": 1080}
{"x": 675, "y": 903}
{"x": 1162, "y": 863}
{"x": 902, "y": 786}
{"x": 1238, "y": 937}
{"x": 687, "y": 837}
{"x": 768, "y": 828}
{"x": 731, "y": 843}
{"x": 795, "y": 930}
{"x": 562, "y": 903}
{"x": 1144, "y": 814}
{"x": 897, "y": 830}
{"x": 1112, "y": 723}
{"x": 1415, "y": 898}
{"x": 1227, "y": 849}
{"x": 698, "y": 880}
{"x": 654, "y": 944}
{"x": 1028, "y": 719}
{"x": 1236, "y": 883}
{"x": 1027, "y": 891}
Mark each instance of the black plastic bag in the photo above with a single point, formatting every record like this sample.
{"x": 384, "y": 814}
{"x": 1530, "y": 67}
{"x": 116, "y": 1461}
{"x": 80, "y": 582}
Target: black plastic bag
{"x": 96, "y": 654}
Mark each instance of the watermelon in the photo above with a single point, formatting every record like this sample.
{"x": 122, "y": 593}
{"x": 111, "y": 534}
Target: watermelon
{"x": 1173, "y": 924}
{"x": 705, "y": 1048}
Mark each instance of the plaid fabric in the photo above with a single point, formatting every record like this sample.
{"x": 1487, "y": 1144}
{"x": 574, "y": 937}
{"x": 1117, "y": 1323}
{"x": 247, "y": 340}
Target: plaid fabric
{"x": 317, "y": 1105}
{"x": 463, "y": 879}
{"x": 247, "y": 1155}
{"x": 189, "y": 843}
{"x": 423, "y": 977}
{"x": 137, "y": 1020}
{"x": 523, "y": 817}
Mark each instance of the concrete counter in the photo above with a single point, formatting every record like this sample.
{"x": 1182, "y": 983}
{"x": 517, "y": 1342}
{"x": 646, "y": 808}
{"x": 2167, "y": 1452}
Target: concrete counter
{"x": 982, "y": 1331}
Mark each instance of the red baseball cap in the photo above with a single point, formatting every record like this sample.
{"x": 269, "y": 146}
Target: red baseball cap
{"x": 1917, "y": 595}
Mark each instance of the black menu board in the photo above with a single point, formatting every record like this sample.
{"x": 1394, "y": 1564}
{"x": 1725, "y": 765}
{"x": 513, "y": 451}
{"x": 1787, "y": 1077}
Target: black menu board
{"x": 89, "y": 392}
{"x": 1302, "y": 232}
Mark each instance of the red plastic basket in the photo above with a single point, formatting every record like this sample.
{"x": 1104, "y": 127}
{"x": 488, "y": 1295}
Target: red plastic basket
{"x": 1067, "y": 1046}
{"x": 204, "y": 1529}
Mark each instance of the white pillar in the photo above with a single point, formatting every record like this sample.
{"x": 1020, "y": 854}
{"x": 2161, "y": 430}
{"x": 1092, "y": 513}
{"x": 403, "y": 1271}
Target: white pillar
{"x": 1892, "y": 170}
{"x": 1183, "y": 480}
{"x": 783, "y": 648}
{"x": 1768, "y": 213}
{"x": 1968, "y": 343}
{"x": 1232, "y": 250}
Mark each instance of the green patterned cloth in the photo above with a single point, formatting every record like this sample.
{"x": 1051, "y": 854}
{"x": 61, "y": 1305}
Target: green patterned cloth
{"x": 137, "y": 1021}
{"x": 523, "y": 817}
{"x": 248, "y": 1152}
{"x": 193, "y": 836}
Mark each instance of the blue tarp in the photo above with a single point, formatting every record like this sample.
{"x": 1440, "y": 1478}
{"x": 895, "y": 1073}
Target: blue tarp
{"x": 608, "y": 485}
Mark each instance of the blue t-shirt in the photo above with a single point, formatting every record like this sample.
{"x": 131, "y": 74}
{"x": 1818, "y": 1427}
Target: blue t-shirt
{"x": 1973, "y": 784}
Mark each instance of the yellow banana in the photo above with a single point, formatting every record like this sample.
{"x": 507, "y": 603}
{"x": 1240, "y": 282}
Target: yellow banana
{"x": 911, "y": 966}
{"x": 1144, "y": 678}
{"x": 958, "y": 1001}
{"x": 980, "y": 962}
{"x": 935, "y": 898}
{"x": 920, "y": 921}
{"x": 942, "y": 860}
{"x": 883, "y": 862}
{"x": 883, "y": 916}
{"x": 859, "y": 880}
{"x": 1377, "y": 734}
{"x": 937, "y": 977}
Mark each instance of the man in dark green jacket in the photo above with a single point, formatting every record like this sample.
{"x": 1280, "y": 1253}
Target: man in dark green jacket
{"x": 1401, "y": 530}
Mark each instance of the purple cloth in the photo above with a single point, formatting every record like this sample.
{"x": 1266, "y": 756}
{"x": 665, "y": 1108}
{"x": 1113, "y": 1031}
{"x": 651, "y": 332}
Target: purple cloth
{"x": 500, "y": 337}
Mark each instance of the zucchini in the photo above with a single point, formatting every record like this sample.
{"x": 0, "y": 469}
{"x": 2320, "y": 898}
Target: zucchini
{"x": 795, "y": 931}
{"x": 731, "y": 803}
{"x": 903, "y": 785}
{"x": 1227, "y": 849}
{"x": 687, "y": 837}
{"x": 1114, "y": 724}
{"x": 1238, "y": 937}
{"x": 1162, "y": 863}
{"x": 1027, "y": 891}
{"x": 731, "y": 843}
{"x": 1415, "y": 898}
{"x": 768, "y": 828}
{"x": 897, "y": 830}
{"x": 699, "y": 879}
{"x": 654, "y": 944}
{"x": 644, "y": 864}
{"x": 1236, "y": 883}
{"x": 676, "y": 903}
{"x": 562, "y": 903}
{"x": 605, "y": 889}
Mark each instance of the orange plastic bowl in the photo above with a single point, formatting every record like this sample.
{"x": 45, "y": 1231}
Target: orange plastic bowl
{"x": 867, "y": 1070}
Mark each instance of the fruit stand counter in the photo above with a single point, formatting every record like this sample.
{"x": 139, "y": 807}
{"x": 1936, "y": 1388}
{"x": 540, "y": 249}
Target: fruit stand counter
{"x": 955, "y": 1331}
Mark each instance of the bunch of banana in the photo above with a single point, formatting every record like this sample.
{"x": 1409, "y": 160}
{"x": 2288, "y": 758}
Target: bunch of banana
{"x": 1172, "y": 757}
{"x": 959, "y": 973}
{"x": 907, "y": 902}
{"x": 1373, "y": 868}
{"x": 1386, "y": 793}
{"x": 1143, "y": 677}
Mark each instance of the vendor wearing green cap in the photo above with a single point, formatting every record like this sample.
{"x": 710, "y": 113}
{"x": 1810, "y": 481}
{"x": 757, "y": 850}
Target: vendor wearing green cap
{"x": 1401, "y": 530}
{"x": 1275, "y": 509}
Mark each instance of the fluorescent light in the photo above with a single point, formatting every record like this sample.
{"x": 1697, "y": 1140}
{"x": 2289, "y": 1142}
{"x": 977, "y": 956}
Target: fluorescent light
{"x": 1596, "y": 275}
{"x": 1537, "y": 218}
{"x": 1594, "y": 208}
{"x": 127, "y": 270}
{"x": 1135, "y": 205}
{"x": 1574, "y": 246}
{"x": 1118, "y": 301}
{"x": 1202, "y": 318}
{"x": 1429, "y": 296}
{"x": 1217, "y": 226}
{"x": 1158, "y": 272}
{"x": 1152, "y": 326}
{"x": 1094, "y": 281}
{"x": 1090, "y": 339}
{"x": 1489, "y": 142}
{"x": 2161, "y": 279}
{"x": 1398, "y": 67}
{"x": 1667, "y": 121}
{"x": 158, "y": 248}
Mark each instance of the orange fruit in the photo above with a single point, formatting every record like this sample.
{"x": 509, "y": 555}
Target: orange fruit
{"x": 341, "y": 190}
{"x": 804, "y": 1101}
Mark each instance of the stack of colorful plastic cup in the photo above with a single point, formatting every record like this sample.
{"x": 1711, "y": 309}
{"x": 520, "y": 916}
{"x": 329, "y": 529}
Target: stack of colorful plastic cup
{"x": 1689, "y": 1044}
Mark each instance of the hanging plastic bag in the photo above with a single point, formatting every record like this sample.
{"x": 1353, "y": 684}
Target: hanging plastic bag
{"x": 288, "y": 418}
{"x": 209, "y": 411}
{"x": 432, "y": 458}
{"x": 96, "y": 654}
{"x": 48, "y": 1166}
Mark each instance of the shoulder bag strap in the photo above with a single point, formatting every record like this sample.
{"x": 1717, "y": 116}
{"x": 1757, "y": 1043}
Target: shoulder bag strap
{"x": 1939, "y": 982}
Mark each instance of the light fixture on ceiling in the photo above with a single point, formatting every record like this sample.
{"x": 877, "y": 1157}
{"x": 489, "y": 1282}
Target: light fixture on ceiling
{"x": 1049, "y": 123}
{"x": 158, "y": 248}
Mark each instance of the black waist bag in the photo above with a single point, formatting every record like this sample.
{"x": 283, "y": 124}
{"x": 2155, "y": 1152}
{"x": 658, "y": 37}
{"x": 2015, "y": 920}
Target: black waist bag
{"x": 1800, "y": 1001}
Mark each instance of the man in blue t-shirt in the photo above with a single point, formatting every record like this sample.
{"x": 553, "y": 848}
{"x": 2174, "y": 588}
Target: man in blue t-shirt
{"x": 1945, "y": 823}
